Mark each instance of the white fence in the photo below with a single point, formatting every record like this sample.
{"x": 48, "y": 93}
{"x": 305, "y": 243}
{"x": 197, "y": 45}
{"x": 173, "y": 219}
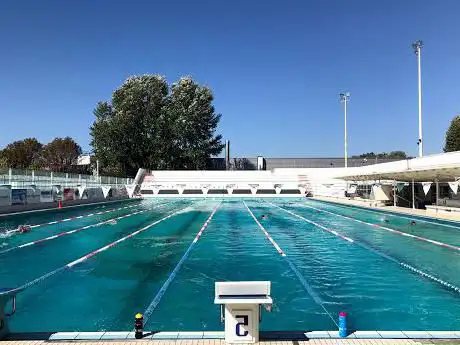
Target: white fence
{"x": 18, "y": 178}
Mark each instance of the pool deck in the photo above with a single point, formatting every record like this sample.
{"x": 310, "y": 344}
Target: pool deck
{"x": 222, "y": 342}
{"x": 402, "y": 210}
{"x": 217, "y": 338}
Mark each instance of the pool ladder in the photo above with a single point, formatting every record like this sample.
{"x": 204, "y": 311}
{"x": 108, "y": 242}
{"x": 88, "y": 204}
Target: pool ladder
{"x": 5, "y": 297}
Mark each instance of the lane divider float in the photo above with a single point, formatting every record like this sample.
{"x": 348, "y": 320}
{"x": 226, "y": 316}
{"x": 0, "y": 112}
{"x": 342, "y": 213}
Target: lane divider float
{"x": 80, "y": 217}
{"x": 335, "y": 233}
{"x": 391, "y": 214}
{"x": 66, "y": 233}
{"x": 93, "y": 253}
{"x": 401, "y": 233}
{"x": 386, "y": 256}
{"x": 299, "y": 275}
{"x": 156, "y": 300}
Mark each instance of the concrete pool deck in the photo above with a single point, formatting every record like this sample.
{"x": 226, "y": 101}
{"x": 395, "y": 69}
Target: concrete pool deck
{"x": 217, "y": 338}
{"x": 403, "y": 210}
{"x": 222, "y": 342}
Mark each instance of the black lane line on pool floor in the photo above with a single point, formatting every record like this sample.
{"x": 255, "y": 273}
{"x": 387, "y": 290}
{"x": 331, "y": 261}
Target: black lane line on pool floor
{"x": 156, "y": 300}
{"x": 378, "y": 226}
{"x": 411, "y": 268}
{"x": 299, "y": 275}
{"x": 90, "y": 255}
{"x": 65, "y": 233}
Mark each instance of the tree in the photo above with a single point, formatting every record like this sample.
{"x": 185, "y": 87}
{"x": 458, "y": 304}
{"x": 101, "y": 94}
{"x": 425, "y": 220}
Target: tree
{"x": 150, "y": 125}
{"x": 453, "y": 136}
{"x": 385, "y": 155}
{"x": 3, "y": 162}
{"x": 397, "y": 155}
{"x": 60, "y": 154}
{"x": 193, "y": 122}
{"x": 21, "y": 154}
{"x": 127, "y": 134}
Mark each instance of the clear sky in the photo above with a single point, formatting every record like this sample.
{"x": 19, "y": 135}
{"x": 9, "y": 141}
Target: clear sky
{"x": 276, "y": 68}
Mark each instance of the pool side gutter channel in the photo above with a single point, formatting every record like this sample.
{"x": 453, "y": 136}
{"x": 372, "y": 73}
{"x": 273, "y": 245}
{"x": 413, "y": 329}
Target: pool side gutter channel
{"x": 278, "y": 335}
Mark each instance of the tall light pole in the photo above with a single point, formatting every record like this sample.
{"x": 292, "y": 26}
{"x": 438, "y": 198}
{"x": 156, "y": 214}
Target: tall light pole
{"x": 345, "y": 98}
{"x": 417, "y": 46}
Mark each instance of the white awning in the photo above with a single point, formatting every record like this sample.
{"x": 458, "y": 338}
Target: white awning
{"x": 443, "y": 168}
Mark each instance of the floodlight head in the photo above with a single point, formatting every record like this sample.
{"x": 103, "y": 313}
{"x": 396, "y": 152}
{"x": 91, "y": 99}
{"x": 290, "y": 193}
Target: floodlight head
{"x": 417, "y": 45}
{"x": 344, "y": 96}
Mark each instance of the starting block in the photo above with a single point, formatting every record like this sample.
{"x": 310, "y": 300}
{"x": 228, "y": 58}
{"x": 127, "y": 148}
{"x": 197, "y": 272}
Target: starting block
{"x": 241, "y": 304}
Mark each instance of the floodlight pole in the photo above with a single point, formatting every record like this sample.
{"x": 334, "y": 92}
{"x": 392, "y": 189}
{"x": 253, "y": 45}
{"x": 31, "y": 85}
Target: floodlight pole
{"x": 345, "y": 98}
{"x": 417, "y": 46}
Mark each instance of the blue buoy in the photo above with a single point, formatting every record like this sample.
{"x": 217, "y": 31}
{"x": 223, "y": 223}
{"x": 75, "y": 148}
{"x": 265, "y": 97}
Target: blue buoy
{"x": 343, "y": 325}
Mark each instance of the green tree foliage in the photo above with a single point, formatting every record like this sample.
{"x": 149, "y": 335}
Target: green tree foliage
{"x": 150, "y": 125}
{"x": 453, "y": 136}
{"x": 60, "y": 154}
{"x": 390, "y": 155}
{"x": 21, "y": 154}
{"x": 193, "y": 122}
{"x": 3, "y": 162}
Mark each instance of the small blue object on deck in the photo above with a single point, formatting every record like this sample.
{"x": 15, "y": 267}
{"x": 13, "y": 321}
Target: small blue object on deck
{"x": 343, "y": 324}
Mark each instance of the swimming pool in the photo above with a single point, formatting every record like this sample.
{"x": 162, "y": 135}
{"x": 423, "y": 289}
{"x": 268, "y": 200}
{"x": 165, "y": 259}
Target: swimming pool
{"x": 109, "y": 262}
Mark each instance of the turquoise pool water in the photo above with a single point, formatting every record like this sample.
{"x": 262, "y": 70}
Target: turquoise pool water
{"x": 321, "y": 274}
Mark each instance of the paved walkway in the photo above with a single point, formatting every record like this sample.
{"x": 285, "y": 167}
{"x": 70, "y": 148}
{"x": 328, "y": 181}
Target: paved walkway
{"x": 403, "y": 210}
{"x": 222, "y": 342}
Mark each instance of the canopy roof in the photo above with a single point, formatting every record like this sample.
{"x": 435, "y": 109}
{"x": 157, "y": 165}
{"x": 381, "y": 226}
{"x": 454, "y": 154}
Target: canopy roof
{"x": 442, "y": 167}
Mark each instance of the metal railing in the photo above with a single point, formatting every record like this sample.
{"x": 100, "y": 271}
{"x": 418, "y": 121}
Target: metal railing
{"x": 19, "y": 178}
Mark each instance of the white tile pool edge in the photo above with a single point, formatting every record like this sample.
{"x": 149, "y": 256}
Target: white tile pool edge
{"x": 269, "y": 335}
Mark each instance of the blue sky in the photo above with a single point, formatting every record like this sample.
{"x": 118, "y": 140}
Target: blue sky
{"x": 276, "y": 68}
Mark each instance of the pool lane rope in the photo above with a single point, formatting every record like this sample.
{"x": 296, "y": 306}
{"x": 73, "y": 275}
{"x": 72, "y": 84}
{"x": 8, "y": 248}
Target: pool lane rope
{"x": 402, "y": 233}
{"x": 299, "y": 275}
{"x": 93, "y": 253}
{"x": 393, "y": 214}
{"x": 33, "y": 226}
{"x": 156, "y": 300}
{"x": 65, "y": 233}
{"x": 411, "y": 268}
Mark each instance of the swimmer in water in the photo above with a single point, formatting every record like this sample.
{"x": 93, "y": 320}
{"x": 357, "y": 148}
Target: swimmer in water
{"x": 386, "y": 220}
{"x": 24, "y": 228}
{"x": 413, "y": 223}
{"x": 264, "y": 216}
{"x": 113, "y": 222}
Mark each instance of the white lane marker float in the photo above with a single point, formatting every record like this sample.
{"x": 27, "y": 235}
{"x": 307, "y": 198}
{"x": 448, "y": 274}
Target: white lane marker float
{"x": 90, "y": 255}
{"x": 401, "y": 233}
{"x": 80, "y": 217}
{"x": 156, "y": 300}
{"x": 383, "y": 255}
{"x": 299, "y": 275}
{"x": 65, "y": 233}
